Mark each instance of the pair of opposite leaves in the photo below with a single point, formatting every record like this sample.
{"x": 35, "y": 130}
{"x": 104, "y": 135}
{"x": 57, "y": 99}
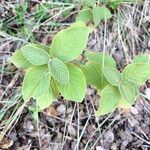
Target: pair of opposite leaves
{"x": 49, "y": 71}
{"x": 93, "y": 13}
{"x": 115, "y": 89}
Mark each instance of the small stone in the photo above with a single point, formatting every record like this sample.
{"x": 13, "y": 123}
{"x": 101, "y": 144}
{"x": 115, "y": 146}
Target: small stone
{"x": 72, "y": 131}
{"x": 90, "y": 91}
{"x": 99, "y": 148}
{"x": 114, "y": 146}
{"x": 147, "y": 93}
{"x": 1, "y": 91}
{"x": 73, "y": 144}
{"x": 13, "y": 136}
{"x": 82, "y": 114}
{"x": 134, "y": 111}
{"x": 149, "y": 42}
{"x": 109, "y": 136}
{"x": 61, "y": 109}
{"x": 84, "y": 141}
{"x": 132, "y": 121}
{"x": 59, "y": 137}
{"x": 28, "y": 126}
{"x": 90, "y": 129}
{"x": 69, "y": 117}
{"x": 125, "y": 143}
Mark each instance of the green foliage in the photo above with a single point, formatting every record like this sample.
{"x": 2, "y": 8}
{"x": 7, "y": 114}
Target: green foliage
{"x": 103, "y": 59}
{"x": 100, "y": 13}
{"x": 90, "y": 3}
{"x": 19, "y": 11}
{"x": 93, "y": 74}
{"x": 137, "y": 72}
{"x": 114, "y": 4}
{"x": 127, "y": 92}
{"x": 45, "y": 99}
{"x": 68, "y": 44}
{"x": 76, "y": 88}
{"x": 35, "y": 54}
{"x": 93, "y": 68}
{"x": 59, "y": 70}
{"x": 143, "y": 58}
{"x": 84, "y": 15}
{"x": 34, "y": 111}
{"x": 112, "y": 75}
{"x": 20, "y": 61}
{"x": 99, "y": 10}
{"x": 50, "y": 71}
{"x": 90, "y": 70}
{"x": 93, "y": 13}
{"x": 36, "y": 82}
{"x": 46, "y": 68}
{"x": 110, "y": 97}
{"x": 120, "y": 90}
{"x": 96, "y": 15}
{"x": 105, "y": 13}
{"x": 123, "y": 104}
{"x": 54, "y": 88}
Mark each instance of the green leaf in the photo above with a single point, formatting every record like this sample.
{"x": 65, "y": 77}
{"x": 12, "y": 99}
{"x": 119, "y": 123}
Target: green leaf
{"x": 109, "y": 100}
{"x": 84, "y": 15}
{"x": 103, "y": 1}
{"x": 112, "y": 75}
{"x": 127, "y": 92}
{"x": 59, "y": 70}
{"x": 35, "y": 54}
{"x": 105, "y": 13}
{"x": 46, "y": 99}
{"x": 20, "y": 61}
{"x": 133, "y": 83}
{"x": 100, "y": 58}
{"x": 36, "y": 82}
{"x": 90, "y": 3}
{"x": 96, "y": 15}
{"x": 43, "y": 47}
{"x": 68, "y": 44}
{"x": 76, "y": 25}
{"x": 139, "y": 73}
{"x": 54, "y": 88}
{"x": 93, "y": 74}
{"x": 100, "y": 13}
{"x": 76, "y": 88}
{"x": 124, "y": 104}
{"x": 142, "y": 58}
{"x": 115, "y": 4}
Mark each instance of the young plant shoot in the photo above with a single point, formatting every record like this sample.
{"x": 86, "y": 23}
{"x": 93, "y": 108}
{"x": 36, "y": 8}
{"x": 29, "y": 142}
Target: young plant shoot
{"x": 92, "y": 12}
{"x": 116, "y": 89}
{"x": 50, "y": 71}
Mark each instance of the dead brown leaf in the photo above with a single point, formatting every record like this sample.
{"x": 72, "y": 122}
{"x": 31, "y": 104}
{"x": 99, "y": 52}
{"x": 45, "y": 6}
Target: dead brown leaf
{"x": 51, "y": 111}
